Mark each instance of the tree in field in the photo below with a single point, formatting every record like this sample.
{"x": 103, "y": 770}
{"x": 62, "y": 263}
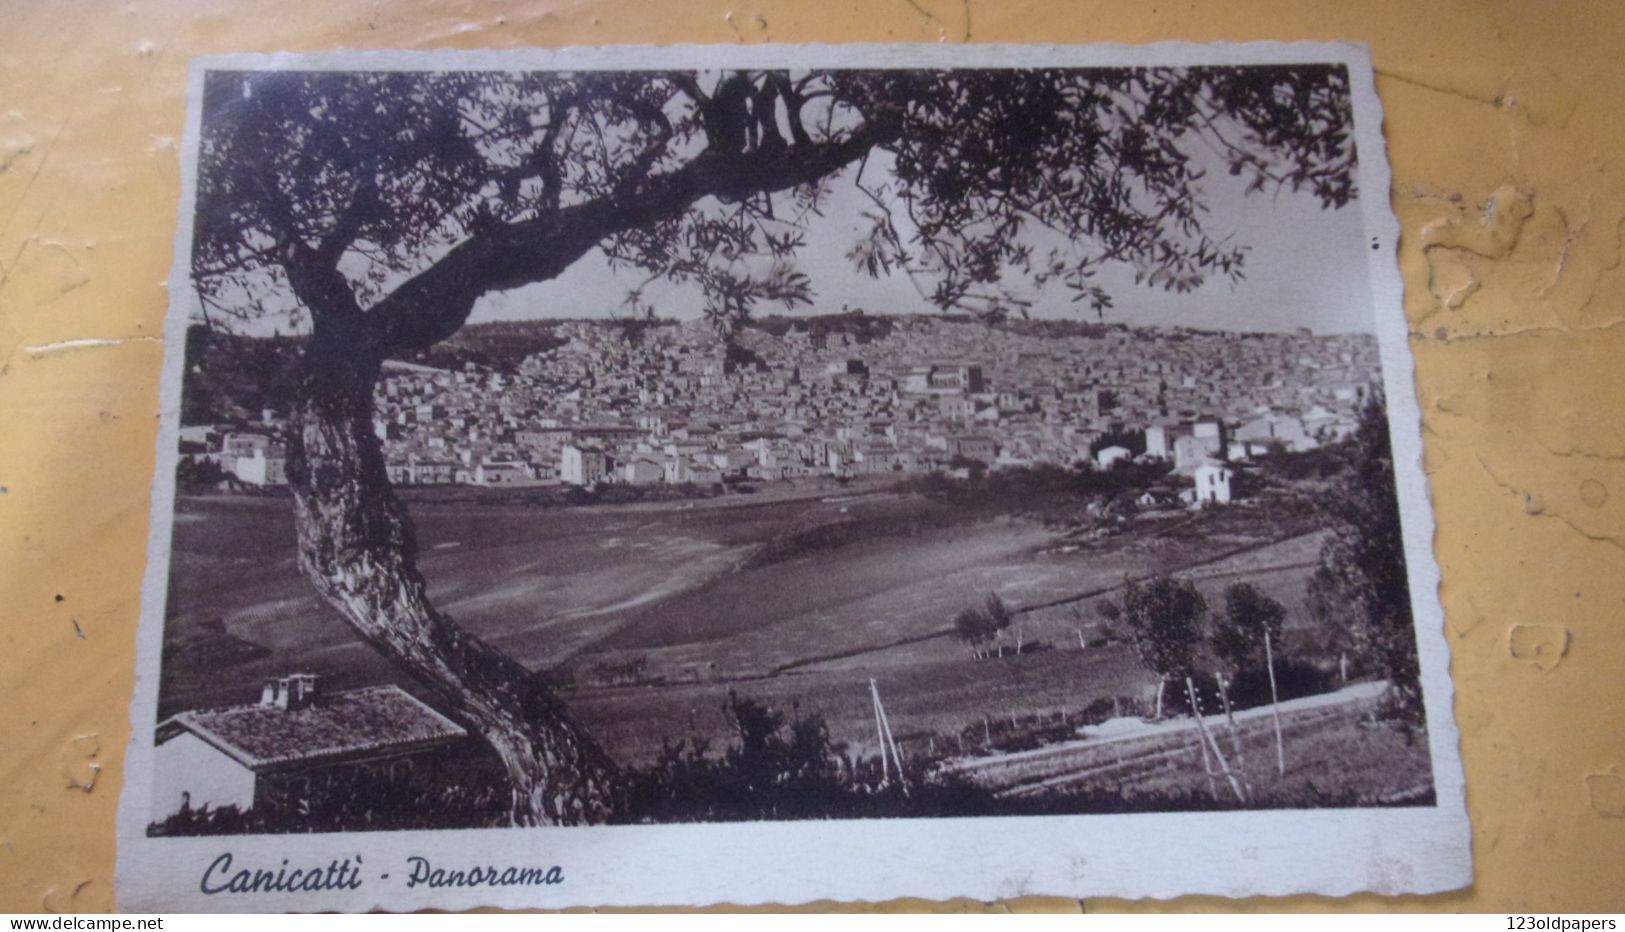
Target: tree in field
{"x": 371, "y": 211}
{"x": 999, "y": 613}
{"x": 974, "y": 628}
{"x": 1110, "y": 613}
{"x": 1238, "y": 633}
{"x": 1360, "y": 591}
{"x": 1165, "y": 616}
{"x": 980, "y": 626}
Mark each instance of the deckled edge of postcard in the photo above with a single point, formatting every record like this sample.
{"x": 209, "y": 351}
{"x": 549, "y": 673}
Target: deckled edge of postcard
{"x": 1157, "y": 855}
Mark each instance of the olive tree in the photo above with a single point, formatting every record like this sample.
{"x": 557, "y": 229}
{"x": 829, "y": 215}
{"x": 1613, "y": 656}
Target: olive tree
{"x": 374, "y": 209}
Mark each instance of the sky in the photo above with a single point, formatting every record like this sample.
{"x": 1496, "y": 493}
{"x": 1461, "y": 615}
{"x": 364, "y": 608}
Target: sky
{"x": 1307, "y": 267}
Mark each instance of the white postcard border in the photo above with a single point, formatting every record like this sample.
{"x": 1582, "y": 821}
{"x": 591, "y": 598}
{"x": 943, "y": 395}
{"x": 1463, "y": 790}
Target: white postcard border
{"x": 1279, "y": 852}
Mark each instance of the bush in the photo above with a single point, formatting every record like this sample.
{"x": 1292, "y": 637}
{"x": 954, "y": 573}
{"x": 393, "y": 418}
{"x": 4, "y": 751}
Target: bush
{"x": 788, "y": 768}
{"x": 472, "y": 793}
{"x": 1294, "y": 679}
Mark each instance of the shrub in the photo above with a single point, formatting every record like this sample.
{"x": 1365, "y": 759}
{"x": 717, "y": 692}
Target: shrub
{"x": 788, "y": 768}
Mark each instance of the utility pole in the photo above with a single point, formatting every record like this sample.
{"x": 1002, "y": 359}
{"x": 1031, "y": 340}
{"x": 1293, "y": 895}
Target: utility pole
{"x": 880, "y": 732}
{"x": 1275, "y": 704}
{"x": 886, "y": 738}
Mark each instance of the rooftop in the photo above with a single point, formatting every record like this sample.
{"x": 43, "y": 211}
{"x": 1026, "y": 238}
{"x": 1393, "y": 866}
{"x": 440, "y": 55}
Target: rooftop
{"x": 342, "y": 727}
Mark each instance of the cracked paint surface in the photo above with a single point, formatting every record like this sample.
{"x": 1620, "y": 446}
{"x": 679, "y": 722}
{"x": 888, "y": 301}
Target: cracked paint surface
{"x": 1505, "y": 126}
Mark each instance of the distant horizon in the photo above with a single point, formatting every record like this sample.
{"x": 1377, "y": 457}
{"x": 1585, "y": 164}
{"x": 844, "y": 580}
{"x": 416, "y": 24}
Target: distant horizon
{"x": 795, "y": 316}
{"x": 955, "y": 316}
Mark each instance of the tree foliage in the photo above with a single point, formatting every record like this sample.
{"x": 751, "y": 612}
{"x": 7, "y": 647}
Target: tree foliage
{"x": 402, "y": 197}
{"x": 1360, "y": 590}
{"x": 780, "y": 766}
{"x": 979, "y": 626}
{"x": 1165, "y": 616}
{"x": 998, "y": 611}
{"x": 1238, "y": 633}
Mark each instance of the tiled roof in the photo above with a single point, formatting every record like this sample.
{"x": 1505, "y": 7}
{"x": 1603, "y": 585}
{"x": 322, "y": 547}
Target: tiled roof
{"x": 341, "y": 727}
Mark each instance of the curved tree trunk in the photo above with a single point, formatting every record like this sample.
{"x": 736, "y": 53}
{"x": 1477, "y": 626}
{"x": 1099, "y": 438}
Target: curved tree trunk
{"x": 356, "y": 545}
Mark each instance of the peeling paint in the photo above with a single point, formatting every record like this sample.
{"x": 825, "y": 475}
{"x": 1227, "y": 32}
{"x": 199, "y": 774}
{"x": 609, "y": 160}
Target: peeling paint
{"x": 54, "y": 900}
{"x": 1606, "y": 793}
{"x": 1493, "y": 237}
{"x": 1535, "y": 506}
{"x": 1463, "y": 623}
{"x": 79, "y": 765}
{"x": 60, "y": 346}
{"x": 1593, "y": 493}
{"x": 1543, "y": 646}
{"x": 13, "y": 148}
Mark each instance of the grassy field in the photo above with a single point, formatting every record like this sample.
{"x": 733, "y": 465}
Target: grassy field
{"x": 1346, "y": 760}
{"x": 928, "y": 701}
{"x": 1336, "y": 748}
{"x": 796, "y": 600}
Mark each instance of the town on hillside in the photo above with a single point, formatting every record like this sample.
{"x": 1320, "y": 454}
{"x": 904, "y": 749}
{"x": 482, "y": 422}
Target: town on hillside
{"x": 673, "y": 404}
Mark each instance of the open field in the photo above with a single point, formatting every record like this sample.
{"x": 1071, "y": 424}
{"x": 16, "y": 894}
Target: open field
{"x": 793, "y": 600}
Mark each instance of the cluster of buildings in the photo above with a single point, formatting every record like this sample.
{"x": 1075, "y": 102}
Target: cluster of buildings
{"x": 671, "y": 404}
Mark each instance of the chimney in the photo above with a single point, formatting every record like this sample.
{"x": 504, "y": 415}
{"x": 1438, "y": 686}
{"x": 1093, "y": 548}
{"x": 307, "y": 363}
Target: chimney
{"x": 302, "y": 690}
{"x": 291, "y": 693}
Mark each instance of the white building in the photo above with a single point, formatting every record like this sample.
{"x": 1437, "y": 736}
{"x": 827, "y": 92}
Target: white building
{"x": 642, "y": 470}
{"x": 1212, "y": 483}
{"x": 581, "y": 465}
{"x": 1109, "y": 455}
{"x": 501, "y": 473}
{"x": 265, "y": 466}
{"x": 1210, "y": 433}
{"x": 1286, "y": 431}
{"x": 1156, "y": 443}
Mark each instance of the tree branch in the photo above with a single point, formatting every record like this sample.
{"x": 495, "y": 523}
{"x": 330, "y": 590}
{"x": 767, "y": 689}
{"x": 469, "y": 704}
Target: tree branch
{"x": 433, "y": 304}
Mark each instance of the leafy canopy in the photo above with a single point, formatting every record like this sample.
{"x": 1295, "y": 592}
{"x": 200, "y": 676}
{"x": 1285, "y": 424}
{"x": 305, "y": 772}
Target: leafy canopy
{"x": 380, "y": 205}
{"x": 1238, "y": 634}
{"x": 1360, "y": 591}
{"x": 1165, "y": 616}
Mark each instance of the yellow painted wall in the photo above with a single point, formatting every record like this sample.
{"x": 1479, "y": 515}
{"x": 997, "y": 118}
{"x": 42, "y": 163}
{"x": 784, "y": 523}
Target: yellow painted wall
{"x": 1506, "y": 128}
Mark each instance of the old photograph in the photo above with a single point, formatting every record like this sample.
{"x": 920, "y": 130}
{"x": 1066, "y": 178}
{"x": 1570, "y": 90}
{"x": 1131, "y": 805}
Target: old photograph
{"x": 760, "y": 442}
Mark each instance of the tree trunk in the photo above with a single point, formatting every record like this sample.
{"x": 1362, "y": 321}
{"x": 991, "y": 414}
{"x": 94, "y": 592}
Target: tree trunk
{"x": 356, "y": 545}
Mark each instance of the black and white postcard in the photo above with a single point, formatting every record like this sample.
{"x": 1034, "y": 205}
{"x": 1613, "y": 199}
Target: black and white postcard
{"x": 767, "y": 473}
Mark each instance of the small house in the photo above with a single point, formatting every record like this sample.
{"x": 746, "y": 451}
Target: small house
{"x": 1212, "y": 483}
{"x": 293, "y": 738}
{"x": 264, "y": 466}
{"x": 582, "y": 464}
{"x": 642, "y": 470}
{"x": 1106, "y": 457}
{"x": 501, "y": 473}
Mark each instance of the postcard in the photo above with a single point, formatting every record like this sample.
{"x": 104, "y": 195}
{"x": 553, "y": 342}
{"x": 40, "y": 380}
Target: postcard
{"x": 771, "y": 473}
